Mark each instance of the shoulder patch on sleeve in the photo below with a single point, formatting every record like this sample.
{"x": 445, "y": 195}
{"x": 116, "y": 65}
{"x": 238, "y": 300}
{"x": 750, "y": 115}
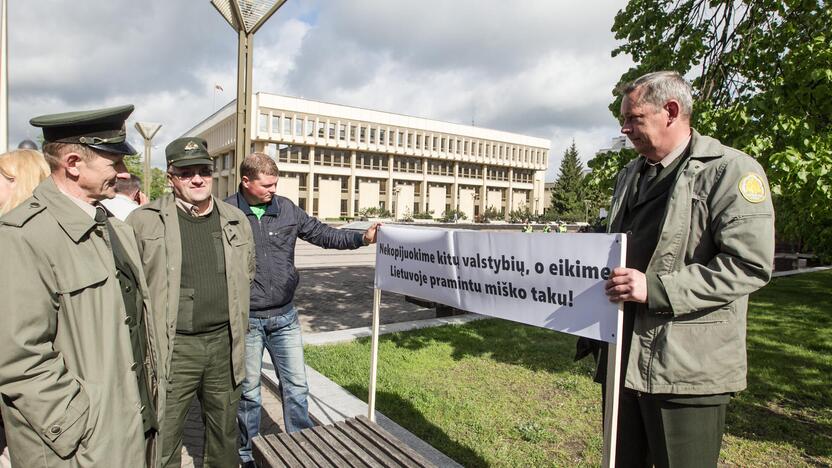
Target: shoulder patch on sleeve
{"x": 752, "y": 188}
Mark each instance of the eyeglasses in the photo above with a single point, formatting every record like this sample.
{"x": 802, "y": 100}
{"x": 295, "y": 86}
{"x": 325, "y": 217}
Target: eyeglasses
{"x": 188, "y": 174}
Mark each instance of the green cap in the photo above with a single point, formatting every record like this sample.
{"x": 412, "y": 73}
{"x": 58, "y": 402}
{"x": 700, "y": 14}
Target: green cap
{"x": 188, "y": 151}
{"x": 102, "y": 129}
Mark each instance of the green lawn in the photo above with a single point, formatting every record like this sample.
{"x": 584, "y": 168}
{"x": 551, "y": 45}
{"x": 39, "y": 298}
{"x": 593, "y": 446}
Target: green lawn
{"x": 498, "y": 393}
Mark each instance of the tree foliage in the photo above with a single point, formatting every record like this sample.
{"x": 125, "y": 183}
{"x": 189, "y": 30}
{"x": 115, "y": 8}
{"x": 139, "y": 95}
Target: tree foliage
{"x": 158, "y": 180}
{"x": 568, "y": 192}
{"x": 762, "y": 77}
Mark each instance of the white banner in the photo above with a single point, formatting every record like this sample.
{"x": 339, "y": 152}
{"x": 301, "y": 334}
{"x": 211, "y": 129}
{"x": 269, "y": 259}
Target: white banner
{"x": 554, "y": 281}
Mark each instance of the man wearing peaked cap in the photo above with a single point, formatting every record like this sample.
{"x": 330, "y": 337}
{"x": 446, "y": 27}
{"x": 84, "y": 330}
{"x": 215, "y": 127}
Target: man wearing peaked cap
{"x": 198, "y": 255}
{"x": 78, "y": 350}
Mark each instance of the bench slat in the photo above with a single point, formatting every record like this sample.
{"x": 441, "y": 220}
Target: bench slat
{"x": 367, "y": 445}
{"x": 293, "y": 448}
{"x": 394, "y": 441}
{"x": 353, "y": 448}
{"x": 349, "y": 458}
{"x": 391, "y": 450}
{"x": 263, "y": 451}
{"x": 354, "y": 443}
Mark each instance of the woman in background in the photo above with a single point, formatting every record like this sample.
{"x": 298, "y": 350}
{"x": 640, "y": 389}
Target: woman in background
{"x": 20, "y": 172}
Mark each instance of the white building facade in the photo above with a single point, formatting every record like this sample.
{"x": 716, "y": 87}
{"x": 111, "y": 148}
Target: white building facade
{"x": 335, "y": 160}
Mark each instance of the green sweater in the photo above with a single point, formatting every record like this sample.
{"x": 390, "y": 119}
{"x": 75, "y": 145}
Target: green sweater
{"x": 203, "y": 299}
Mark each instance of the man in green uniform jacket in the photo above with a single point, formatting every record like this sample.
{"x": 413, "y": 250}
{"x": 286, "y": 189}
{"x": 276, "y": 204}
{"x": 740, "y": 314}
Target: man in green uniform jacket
{"x": 198, "y": 255}
{"x": 700, "y": 238}
{"x": 77, "y": 354}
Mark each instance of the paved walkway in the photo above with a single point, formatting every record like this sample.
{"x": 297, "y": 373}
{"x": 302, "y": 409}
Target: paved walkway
{"x": 341, "y": 298}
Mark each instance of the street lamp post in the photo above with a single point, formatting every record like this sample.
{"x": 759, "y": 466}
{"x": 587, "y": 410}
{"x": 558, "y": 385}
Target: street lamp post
{"x": 148, "y": 131}
{"x": 245, "y": 17}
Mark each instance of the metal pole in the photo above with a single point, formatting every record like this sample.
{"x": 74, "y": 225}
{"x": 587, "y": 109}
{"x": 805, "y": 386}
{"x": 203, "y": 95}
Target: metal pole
{"x": 244, "y": 72}
{"x": 371, "y": 399}
{"x": 147, "y": 168}
{"x": 4, "y": 78}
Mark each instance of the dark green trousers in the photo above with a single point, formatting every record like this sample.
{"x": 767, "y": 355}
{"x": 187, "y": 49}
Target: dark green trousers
{"x": 201, "y": 367}
{"x": 656, "y": 432}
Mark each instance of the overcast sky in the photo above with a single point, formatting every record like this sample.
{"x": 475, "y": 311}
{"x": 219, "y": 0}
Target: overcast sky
{"x": 537, "y": 67}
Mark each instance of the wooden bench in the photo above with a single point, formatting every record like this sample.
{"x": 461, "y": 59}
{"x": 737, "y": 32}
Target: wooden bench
{"x": 356, "y": 442}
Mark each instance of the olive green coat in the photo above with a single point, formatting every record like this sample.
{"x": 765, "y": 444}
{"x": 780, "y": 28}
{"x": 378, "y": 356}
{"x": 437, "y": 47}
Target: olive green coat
{"x": 70, "y": 396}
{"x": 715, "y": 248}
{"x": 157, "y": 232}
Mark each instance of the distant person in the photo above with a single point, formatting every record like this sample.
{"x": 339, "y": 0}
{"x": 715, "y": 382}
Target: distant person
{"x": 78, "y": 352}
{"x": 700, "y": 239}
{"x": 277, "y": 223}
{"x": 27, "y": 144}
{"x": 20, "y": 172}
{"x": 198, "y": 255}
{"x": 128, "y": 197}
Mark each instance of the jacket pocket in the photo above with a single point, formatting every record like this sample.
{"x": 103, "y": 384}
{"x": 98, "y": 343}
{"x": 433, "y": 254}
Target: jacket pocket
{"x": 185, "y": 315}
{"x": 704, "y": 352}
{"x": 218, "y": 251}
{"x": 65, "y": 433}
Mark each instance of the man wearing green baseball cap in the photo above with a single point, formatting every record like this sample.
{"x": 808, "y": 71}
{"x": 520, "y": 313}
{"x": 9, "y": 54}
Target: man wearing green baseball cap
{"x": 78, "y": 350}
{"x": 198, "y": 255}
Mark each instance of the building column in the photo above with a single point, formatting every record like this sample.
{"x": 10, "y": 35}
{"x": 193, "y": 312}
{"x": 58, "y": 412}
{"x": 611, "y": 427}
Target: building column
{"x": 484, "y": 189}
{"x": 510, "y": 194}
{"x": 390, "y": 187}
{"x": 424, "y": 191}
{"x": 455, "y": 189}
{"x": 351, "y": 186}
{"x": 310, "y": 182}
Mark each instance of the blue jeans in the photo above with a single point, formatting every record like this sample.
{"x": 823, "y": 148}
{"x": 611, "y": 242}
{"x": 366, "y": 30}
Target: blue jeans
{"x": 280, "y": 335}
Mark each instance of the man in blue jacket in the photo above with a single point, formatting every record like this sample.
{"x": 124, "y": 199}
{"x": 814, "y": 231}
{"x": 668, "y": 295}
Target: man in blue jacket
{"x": 273, "y": 320}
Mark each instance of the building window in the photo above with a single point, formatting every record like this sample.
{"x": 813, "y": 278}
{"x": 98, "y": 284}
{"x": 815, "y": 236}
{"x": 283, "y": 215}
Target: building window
{"x": 298, "y": 126}
{"x": 342, "y": 132}
{"x": 292, "y": 154}
{"x": 287, "y": 126}
{"x": 381, "y": 136}
{"x": 321, "y": 129}
{"x": 331, "y": 131}
{"x": 372, "y": 136}
{"x": 264, "y": 122}
{"x": 401, "y": 139}
{"x": 353, "y": 130}
{"x": 362, "y": 136}
{"x": 275, "y": 124}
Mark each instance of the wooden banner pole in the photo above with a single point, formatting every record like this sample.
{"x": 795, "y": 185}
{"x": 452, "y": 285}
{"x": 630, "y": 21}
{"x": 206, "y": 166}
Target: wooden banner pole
{"x": 371, "y": 399}
{"x": 613, "y": 378}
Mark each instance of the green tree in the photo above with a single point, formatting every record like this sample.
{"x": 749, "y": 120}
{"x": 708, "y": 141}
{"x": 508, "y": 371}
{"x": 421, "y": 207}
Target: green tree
{"x": 762, "y": 77}
{"x": 158, "y": 179}
{"x": 568, "y": 192}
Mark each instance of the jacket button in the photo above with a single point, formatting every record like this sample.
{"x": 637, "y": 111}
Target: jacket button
{"x": 56, "y": 429}
{"x": 629, "y": 233}
{"x": 134, "y": 366}
{"x": 127, "y": 320}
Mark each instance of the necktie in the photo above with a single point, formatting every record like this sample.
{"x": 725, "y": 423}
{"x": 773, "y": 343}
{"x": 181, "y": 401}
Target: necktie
{"x": 647, "y": 178}
{"x": 103, "y": 224}
{"x": 100, "y": 215}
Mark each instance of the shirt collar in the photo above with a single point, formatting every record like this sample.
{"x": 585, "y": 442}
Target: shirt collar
{"x": 673, "y": 155}
{"x": 86, "y": 207}
{"x": 192, "y": 209}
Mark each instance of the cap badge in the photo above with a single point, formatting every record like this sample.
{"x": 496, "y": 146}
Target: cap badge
{"x": 191, "y": 146}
